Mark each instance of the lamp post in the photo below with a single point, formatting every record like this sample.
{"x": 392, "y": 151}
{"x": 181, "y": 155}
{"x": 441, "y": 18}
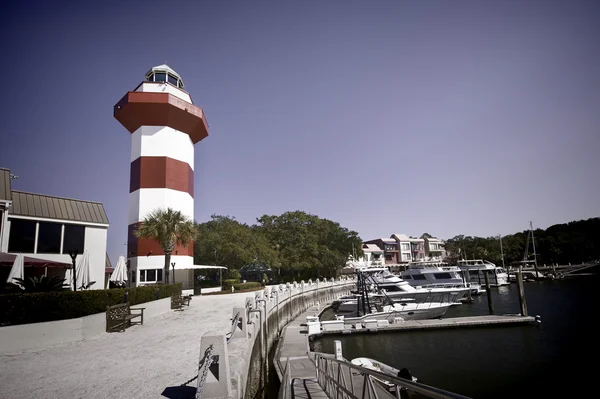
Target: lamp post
{"x": 173, "y": 266}
{"x": 73, "y": 255}
{"x": 128, "y": 263}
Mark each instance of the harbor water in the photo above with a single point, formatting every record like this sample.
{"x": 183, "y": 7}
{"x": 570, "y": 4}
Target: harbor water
{"x": 556, "y": 359}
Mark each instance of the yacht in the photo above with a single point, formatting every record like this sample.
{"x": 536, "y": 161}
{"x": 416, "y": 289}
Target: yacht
{"x": 381, "y": 280}
{"x": 476, "y": 269}
{"x": 435, "y": 274}
{"x": 426, "y": 272}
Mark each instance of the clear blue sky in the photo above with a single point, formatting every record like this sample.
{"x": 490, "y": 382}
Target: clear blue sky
{"x": 445, "y": 117}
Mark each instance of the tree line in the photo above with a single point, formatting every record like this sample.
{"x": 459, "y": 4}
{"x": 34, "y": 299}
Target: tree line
{"x": 573, "y": 242}
{"x": 294, "y": 244}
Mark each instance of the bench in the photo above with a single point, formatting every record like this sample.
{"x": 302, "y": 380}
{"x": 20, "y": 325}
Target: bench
{"x": 178, "y": 300}
{"x": 119, "y": 317}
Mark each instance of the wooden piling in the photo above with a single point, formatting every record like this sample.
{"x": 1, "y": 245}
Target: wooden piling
{"x": 467, "y": 284}
{"x": 488, "y": 292}
{"x": 522, "y": 301}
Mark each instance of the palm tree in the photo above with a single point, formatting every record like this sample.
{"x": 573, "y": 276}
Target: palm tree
{"x": 170, "y": 228}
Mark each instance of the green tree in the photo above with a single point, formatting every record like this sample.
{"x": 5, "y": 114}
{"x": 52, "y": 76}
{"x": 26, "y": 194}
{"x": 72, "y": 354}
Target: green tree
{"x": 309, "y": 246}
{"x": 225, "y": 241}
{"x": 169, "y": 228}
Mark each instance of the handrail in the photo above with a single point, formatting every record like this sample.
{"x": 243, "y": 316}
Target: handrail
{"x": 285, "y": 390}
{"x": 336, "y": 379}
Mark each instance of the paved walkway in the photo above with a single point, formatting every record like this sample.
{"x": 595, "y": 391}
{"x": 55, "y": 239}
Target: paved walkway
{"x": 294, "y": 348}
{"x": 139, "y": 363}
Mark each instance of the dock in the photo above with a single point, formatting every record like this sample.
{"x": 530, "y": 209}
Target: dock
{"x": 293, "y": 347}
{"x": 430, "y": 324}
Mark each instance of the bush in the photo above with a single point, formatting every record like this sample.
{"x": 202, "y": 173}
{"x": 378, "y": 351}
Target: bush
{"x": 37, "y": 307}
{"x": 243, "y": 286}
{"x": 227, "y": 284}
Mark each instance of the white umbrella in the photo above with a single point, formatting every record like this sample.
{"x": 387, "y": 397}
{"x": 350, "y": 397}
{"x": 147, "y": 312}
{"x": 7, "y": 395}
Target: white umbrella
{"x": 17, "y": 270}
{"x": 83, "y": 272}
{"x": 119, "y": 274}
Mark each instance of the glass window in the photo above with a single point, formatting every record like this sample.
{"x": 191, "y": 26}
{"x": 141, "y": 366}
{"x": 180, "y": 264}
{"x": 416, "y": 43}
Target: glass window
{"x": 74, "y": 238}
{"x": 407, "y": 277}
{"x": 172, "y": 80}
{"x": 22, "y": 236}
{"x": 160, "y": 77}
{"x": 150, "y": 77}
{"x": 419, "y": 277}
{"x": 159, "y": 275}
{"x": 142, "y": 276}
{"x": 151, "y": 275}
{"x": 49, "y": 238}
{"x": 442, "y": 275}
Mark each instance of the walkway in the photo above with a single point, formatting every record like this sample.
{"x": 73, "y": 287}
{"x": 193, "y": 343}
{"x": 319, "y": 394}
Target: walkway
{"x": 294, "y": 346}
{"x": 138, "y": 363}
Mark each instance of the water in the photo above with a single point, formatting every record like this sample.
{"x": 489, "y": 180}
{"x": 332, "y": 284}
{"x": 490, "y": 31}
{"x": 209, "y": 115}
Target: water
{"x": 555, "y": 360}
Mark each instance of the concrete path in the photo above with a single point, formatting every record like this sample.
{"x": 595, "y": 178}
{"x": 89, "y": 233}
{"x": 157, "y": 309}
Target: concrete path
{"x": 294, "y": 347}
{"x": 139, "y": 363}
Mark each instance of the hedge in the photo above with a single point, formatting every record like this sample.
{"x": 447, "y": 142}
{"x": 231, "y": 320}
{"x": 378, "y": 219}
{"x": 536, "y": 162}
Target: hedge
{"x": 23, "y": 308}
{"x": 243, "y": 286}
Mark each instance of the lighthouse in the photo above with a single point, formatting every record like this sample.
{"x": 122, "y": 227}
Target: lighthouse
{"x": 165, "y": 125}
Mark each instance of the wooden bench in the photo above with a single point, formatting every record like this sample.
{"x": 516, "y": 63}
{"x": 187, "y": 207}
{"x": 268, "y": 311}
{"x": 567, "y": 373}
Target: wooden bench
{"x": 119, "y": 317}
{"x": 178, "y": 300}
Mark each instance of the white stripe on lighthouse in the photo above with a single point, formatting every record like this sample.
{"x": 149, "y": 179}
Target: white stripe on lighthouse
{"x": 146, "y": 200}
{"x": 162, "y": 141}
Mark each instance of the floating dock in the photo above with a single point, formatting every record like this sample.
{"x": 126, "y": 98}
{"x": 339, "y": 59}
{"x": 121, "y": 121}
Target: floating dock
{"x": 411, "y": 325}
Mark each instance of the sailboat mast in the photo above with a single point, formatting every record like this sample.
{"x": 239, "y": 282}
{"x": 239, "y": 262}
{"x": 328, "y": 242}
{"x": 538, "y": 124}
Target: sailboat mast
{"x": 501, "y": 251}
{"x": 537, "y": 277}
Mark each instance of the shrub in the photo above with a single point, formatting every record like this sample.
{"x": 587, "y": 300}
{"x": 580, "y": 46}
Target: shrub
{"x": 227, "y": 284}
{"x": 22, "y": 308}
{"x": 243, "y": 286}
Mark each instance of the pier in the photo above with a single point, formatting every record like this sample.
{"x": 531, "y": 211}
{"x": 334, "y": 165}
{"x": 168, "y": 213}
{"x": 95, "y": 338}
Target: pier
{"x": 308, "y": 374}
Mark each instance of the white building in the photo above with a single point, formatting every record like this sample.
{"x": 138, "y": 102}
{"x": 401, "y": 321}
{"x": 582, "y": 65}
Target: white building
{"x": 412, "y": 249}
{"x": 45, "y": 228}
{"x": 434, "y": 248}
{"x": 372, "y": 255}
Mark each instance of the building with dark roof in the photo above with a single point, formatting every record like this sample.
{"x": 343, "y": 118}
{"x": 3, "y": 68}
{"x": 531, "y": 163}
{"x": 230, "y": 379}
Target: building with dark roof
{"x": 46, "y": 228}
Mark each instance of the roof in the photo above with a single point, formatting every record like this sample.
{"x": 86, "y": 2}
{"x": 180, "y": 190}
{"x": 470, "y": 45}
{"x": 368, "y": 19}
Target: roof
{"x": 46, "y": 206}
{"x": 401, "y": 237}
{"x": 7, "y": 260}
{"x": 371, "y": 248}
{"x": 164, "y": 68}
{"x": 5, "y": 193}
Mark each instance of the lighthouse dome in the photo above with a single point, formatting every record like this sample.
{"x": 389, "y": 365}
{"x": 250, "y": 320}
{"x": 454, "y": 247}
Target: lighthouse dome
{"x": 164, "y": 73}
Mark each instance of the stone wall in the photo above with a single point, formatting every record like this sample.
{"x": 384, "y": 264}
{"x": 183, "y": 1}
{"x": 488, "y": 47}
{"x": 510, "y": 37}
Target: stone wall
{"x": 234, "y": 364}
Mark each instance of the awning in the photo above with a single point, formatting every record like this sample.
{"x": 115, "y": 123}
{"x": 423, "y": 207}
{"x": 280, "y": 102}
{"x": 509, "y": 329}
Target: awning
{"x": 203, "y": 267}
{"x": 7, "y": 260}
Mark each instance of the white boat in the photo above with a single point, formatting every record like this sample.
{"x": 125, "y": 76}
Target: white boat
{"x": 425, "y": 272}
{"x": 380, "y": 279}
{"x": 405, "y": 310}
{"x": 376, "y": 365}
{"x": 476, "y": 269}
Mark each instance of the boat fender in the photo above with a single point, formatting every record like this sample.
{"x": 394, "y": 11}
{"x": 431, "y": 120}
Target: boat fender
{"x": 538, "y": 319}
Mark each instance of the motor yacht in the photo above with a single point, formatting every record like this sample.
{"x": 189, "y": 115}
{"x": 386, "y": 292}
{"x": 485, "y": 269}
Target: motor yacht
{"x": 476, "y": 269}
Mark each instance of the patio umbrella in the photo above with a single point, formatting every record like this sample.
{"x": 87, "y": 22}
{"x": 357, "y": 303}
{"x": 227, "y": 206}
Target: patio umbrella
{"x": 119, "y": 274}
{"x": 17, "y": 270}
{"x": 83, "y": 272}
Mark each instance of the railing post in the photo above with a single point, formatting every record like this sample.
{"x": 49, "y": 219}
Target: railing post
{"x": 214, "y": 361}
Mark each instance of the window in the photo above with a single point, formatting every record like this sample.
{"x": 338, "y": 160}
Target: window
{"x": 419, "y": 277}
{"x": 160, "y": 77}
{"x": 407, "y": 277}
{"x": 388, "y": 256}
{"x": 172, "y": 80}
{"x": 22, "y": 236}
{"x": 442, "y": 275}
{"x": 49, "y": 238}
{"x": 74, "y": 238}
{"x": 405, "y": 246}
{"x": 151, "y": 275}
{"x": 473, "y": 272}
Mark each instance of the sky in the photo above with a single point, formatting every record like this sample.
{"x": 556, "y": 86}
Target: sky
{"x": 446, "y": 117}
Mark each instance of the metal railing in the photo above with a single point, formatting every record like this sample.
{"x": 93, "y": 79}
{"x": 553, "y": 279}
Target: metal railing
{"x": 576, "y": 268}
{"x": 285, "y": 390}
{"x": 341, "y": 379}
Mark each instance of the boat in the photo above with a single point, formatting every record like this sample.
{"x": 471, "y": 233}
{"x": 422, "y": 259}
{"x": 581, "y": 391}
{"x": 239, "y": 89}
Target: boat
{"x": 476, "y": 269}
{"x": 376, "y": 365}
{"x": 426, "y": 272}
{"x": 381, "y": 280}
{"x": 360, "y": 310}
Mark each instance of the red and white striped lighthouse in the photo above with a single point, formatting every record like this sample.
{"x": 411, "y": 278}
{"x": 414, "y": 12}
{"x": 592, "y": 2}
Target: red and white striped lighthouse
{"x": 164, "y": 125}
